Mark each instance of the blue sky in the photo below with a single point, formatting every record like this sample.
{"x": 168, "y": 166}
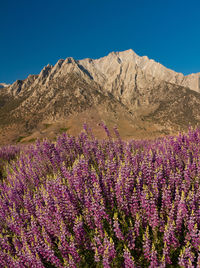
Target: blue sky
{"x": 35, "y": 33}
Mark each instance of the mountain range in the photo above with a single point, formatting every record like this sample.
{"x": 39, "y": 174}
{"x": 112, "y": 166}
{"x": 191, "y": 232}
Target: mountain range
{"x": 141, "y": 97}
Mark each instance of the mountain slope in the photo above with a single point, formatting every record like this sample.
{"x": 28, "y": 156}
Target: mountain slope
{"x": 140, "y": 96}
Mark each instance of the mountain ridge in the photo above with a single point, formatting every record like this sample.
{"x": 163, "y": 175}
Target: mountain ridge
{"x": 150, "y": 66}
{"x": 123, "y": 88}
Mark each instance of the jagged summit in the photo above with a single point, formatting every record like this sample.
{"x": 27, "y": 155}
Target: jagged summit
{"x": 108, "y": 71}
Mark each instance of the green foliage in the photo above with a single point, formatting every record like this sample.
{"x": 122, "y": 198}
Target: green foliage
{"x": 63, "y": 129}
{"x": 20, "y": 138}
{"x": 87, "y": 260}
{"x": 32, "y": 140}
{"x": 46, "y": 125}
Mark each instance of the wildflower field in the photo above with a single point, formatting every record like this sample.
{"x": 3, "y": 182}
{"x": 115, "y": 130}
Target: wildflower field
{"x": 82, "y": 202}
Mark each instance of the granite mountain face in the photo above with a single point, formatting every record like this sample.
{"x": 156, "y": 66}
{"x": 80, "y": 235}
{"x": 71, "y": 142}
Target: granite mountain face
{"x": 139, "y": 95}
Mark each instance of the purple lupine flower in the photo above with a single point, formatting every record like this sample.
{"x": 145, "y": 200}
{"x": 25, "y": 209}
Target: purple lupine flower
{"x": 109, "y": 252}
{"x": 147, "y": 244}
{"x": 186, "y": 257}
{"x": 97, "y": 246}
{"x": 134, "y": 207}
{"x": 166, "y": 255}
{"x": 116, "y": 226}
{"x": 198, "y": 260}
{"x": 79, "y": 231}
{"x": 137, "y": 224}
{"x": 154, "y": 257}
{"x": 182, "y": 212}
{"x": 128, "y": 259}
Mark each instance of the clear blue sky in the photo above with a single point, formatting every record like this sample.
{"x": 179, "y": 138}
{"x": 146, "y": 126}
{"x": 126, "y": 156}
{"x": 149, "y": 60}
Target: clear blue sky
{"x": 35, "y": 33}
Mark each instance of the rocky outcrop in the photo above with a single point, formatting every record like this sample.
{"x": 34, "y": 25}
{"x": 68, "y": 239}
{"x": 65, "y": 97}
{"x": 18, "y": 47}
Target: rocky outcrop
{"x": 20, "y": 87}
{"x": 2, "y": 85}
